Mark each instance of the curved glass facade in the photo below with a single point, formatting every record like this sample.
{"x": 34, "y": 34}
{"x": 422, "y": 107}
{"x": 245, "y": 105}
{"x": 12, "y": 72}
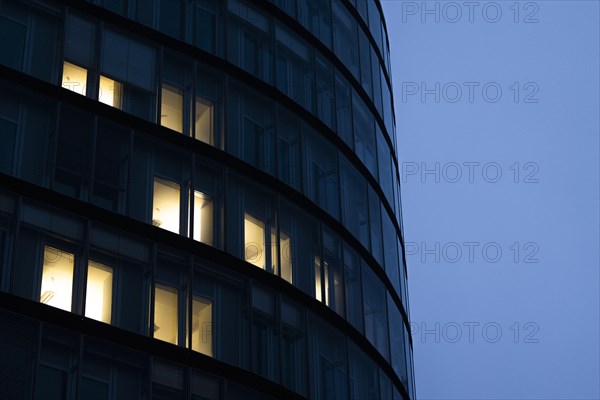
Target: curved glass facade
{"x": 208, "y": 189}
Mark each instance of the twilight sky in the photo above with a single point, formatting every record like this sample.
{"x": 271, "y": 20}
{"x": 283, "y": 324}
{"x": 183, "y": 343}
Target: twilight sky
{"x": 497, "y": 111}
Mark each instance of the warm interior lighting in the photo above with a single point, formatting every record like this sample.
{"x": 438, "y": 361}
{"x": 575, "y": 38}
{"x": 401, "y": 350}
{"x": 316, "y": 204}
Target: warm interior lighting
{"x": 165, "y": 313}
{"x": 202, "y": 325}
{"x": 165, "y": 206}
{"x": 285, "y": 244}
{"x": 111, "y": 92}
{"x": 98, "y": 295}
{"x": 204, "y": 120}
{"x": 203, "y": 218}
{"x": 57, "y": 278}
{"x": 74, "y": 78}
{"x": 254, "y": 241}
{"x": 318, "y": 280}
{"x": 171, "y": 110}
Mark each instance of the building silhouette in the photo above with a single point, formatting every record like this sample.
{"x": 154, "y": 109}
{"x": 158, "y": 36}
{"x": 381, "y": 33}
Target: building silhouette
{"x": 200, "y": 199}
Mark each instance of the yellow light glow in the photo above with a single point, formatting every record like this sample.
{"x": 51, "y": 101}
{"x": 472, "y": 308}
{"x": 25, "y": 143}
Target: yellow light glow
{"x": 166, "y": 205}
{"x": 74, "y": 78}
{"x": 57, "y": 278}
{"x": 203, "y": 218}
{"x": 254, "y": 241}
{"x": 111, "y": 92}
{"x": 165, "y": 313}
{"x": 285, "y": 244}
{"x": 171, "y": 110}
{"x": 204, "y": 120}
{"x": 98, "y": 298}
{"x": 202, "y": 325}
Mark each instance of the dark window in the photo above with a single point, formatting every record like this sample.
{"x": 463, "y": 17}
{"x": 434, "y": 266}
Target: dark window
{"x": 397, "y": 341}
{"x": 320, "y": 171}
{"x": 265, "y": 334}
{"x": 293, "y": 347}
{"x": 289, "y": 162}
{"x": 325, "y": 91}
{"x": 111, "y": 167}
{"x": 362, "y": 375}
{"x": 73, "y": 153}
{"x": 355, "y": 207}
{"x": 345, "y": 39}
{"x": 354, "y": 303}
{"x": 376, "y": 323}
{"x": 328, "y": 362}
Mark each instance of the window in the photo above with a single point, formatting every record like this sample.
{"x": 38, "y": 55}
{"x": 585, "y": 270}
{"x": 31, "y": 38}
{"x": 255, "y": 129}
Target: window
{"x": 203, "y": 218}
{"x": 166, "y": 205}
{"x": 289, "y": 161}
{"x": 345, "y": 37}
{"x": 375, "y": 311}
{"x": 254, "y": 241}
{"x": 57, "y": 278}
{"x": 285, "y": 244}
{"x": 354, "y": 196}
{"x": 171, "y": 111}
{"x": 202, "y": 325}
{"x": 166, "y": 299}
{"x": 111, "y": 92}
{"x": 204, "y": 126}
{"x": 98, "y": 294}
{"x": 265, "y": 334}
{"x": 293, "y": 347}
{"x": 74, "y": 78}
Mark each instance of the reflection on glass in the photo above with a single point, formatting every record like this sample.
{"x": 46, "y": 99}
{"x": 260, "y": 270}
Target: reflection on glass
{"x": 204, "y": 129}
{"x": 285, "y": 244}
{"x": 165, "y": 313}
{"x": 111, "y": 92}
{"x": 254, "y": 240}
{"x": 171, "y": 110}
{"x": 166, "y": 205}
{"x": 202, "y": 325}
{"x": 57, "y": 278}
{"x": 74, "y": 78}
{"x": 98, "y": 294}
{"x": 203, "y": 218}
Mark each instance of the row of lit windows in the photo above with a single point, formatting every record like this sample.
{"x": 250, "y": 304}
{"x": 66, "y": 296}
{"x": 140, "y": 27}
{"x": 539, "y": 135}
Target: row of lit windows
{"x": 120, "y": 70}
{"x": 108, "y": 277}
{"x": 97, "y": 161}
{"x": 200, "y": 22}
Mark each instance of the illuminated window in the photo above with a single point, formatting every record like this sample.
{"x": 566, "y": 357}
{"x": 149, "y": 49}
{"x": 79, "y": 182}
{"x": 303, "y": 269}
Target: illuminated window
{"x": 254, "y": 241}
{"x": 74, "y": 78}
{"x": 171, "y": 111}
{"x": 166, "y": 205}
{"x": 111, "y": 92}
{"x": 203, "y": 218}
{"x": 285, "y": 244}
{"x": 321, "y": 284}
{"x": 202, "y": 326}
{"x": 57, "y": 278}
{"x": 98, "y": 295}
{"x": 204, "y": 129}
{"x": 165, "y": 313}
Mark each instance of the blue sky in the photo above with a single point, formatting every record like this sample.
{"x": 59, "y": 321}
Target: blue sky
{"x": 503, "y": 242}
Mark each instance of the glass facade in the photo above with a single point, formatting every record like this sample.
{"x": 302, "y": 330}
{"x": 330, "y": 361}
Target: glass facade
{"x": 218, "y": 179}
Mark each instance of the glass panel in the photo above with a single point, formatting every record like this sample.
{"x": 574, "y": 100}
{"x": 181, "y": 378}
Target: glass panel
{"x": 265, "y": 334}
{"x": 353, "y": 288}
{"x": 293, "y": 347}
{"x": 202, "y": 325}
{"x": 165, "y": 313}
{"x": 80, "y": 40}
{"x": 74, "y": 78}
{"x": 203, "y": 218}
{"x": 375, "y": 311}
{"x": 98, "y": 294}
{"x": 204, "y": 124}
{"x": 171, "y": 111}
{"x": 363, "y": 375}
{"x": 285, "y": 244}
{"x": 254, "y": 241}
{"x": 111, "y": 92}
{"x": 57, "y": 278}
{"x": 166, "y": 205}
